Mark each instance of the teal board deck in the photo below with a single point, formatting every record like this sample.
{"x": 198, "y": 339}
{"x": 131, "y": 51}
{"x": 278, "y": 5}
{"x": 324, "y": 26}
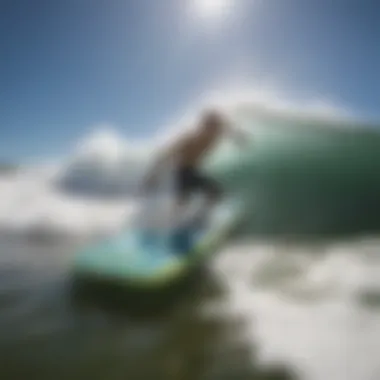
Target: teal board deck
{"x": 136, "y": 259}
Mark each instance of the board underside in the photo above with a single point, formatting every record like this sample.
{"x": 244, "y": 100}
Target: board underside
{"x": 129, "y": 258}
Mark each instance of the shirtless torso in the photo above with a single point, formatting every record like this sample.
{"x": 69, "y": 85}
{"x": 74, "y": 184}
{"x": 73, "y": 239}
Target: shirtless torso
{"x": 192, "y": 149}
{"x": 187, "y": 154}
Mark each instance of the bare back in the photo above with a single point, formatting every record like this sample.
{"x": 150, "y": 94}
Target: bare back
{"x": 192, "y": 148}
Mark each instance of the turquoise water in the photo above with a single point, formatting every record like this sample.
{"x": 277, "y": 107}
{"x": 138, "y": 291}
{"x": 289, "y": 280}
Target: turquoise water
{"x": 305, "y": 179}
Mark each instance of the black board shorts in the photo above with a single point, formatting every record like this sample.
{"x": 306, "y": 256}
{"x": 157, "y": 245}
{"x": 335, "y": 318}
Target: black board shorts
{"x": 189, "y": 180}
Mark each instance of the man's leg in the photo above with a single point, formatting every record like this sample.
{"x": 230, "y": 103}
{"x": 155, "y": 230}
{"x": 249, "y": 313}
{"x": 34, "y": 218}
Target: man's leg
{"x": 179, "y": 209}
{"x": 184, "y": 183}
{"x": 213, "y": 193}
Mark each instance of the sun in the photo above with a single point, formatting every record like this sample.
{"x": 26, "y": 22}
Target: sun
{"x": 212, "y": 8}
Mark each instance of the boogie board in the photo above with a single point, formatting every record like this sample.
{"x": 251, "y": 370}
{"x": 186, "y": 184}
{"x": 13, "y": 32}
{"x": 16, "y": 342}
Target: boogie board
{"x": 144, "y": 259}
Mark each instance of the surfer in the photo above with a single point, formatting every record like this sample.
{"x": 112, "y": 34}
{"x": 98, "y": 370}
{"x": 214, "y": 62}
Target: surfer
{"x": 187, "y": 152}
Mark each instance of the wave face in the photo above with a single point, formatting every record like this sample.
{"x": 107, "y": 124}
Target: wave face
{"x": 305, "y": 176}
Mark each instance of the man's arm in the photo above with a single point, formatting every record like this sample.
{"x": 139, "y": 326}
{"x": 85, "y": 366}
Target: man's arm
{"x": 241, "y": 137}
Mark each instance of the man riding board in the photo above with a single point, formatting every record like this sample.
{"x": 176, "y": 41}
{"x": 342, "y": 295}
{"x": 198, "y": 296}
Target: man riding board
{"x": 187, "y": 152}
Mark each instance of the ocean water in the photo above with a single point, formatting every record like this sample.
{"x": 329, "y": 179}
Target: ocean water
{"x": 295, "y": 294}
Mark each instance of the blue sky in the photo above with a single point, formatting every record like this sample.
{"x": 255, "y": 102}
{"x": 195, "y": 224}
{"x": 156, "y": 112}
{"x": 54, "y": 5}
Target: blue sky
{"x": 70, "y": 65}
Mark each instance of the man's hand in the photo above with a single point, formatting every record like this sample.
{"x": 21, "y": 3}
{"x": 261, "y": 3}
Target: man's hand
{"x": 242, "y": 138}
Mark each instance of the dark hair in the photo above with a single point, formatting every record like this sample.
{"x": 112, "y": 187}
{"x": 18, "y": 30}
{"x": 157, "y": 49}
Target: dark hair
{"x": 212, "y": 117}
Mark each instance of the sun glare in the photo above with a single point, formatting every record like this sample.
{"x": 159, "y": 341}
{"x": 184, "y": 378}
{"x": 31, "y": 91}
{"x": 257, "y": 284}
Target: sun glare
{"x": 212, "y": 8}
